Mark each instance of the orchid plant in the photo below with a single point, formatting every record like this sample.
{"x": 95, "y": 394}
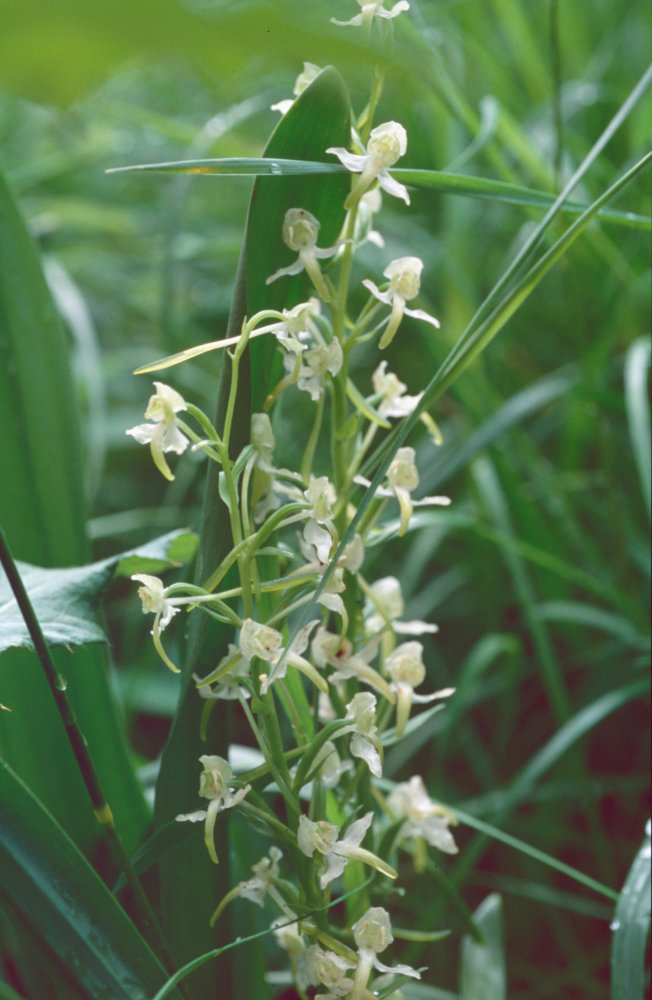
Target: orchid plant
{"x": 315, "y": 664}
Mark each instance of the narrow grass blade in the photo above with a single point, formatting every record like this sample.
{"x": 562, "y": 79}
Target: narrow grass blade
{"x": 631, "y": 927}
{"x": 434, "y": 180}
{"x": 482, "y": 972}
{"x": 533, "y": 852}
{"x": 637, "y": 364}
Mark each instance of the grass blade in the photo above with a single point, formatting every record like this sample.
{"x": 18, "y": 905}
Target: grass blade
{"x": 482, "y": 972}
{"x": 631, "y": 926}
{"x": 434, "y": 180}
{"x": 637, "y": 363}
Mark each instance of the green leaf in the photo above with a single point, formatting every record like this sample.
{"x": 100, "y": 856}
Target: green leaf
{"x": 631, "y": 926}
{"x": 65, "y": 903}
{"x": 434, "y": 180}
{"x": 482, "y": 973}
{"x": 65, "y": 600}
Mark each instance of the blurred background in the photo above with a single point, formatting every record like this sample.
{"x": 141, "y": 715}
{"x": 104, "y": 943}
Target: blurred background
{"x": 537, "y": 574}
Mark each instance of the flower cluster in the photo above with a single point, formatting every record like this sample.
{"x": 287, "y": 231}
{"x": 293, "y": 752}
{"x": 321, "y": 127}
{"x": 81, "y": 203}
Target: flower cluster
{"x": 294, "y": 588}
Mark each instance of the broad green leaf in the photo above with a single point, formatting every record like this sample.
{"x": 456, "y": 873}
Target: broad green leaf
{"x": 434, "y": 180}
{"x": 41, "y": 501}
{"x": 65, "y": 600}
{"x": 66, "y": 904}
{"x": 482, "y": 972}
{"x": 631, "y": 927}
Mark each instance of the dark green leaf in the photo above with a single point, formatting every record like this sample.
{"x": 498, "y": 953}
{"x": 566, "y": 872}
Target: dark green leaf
{"x": 66, "y": 904}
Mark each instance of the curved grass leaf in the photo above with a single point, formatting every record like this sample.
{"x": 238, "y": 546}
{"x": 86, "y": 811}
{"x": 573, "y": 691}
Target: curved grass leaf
{"x": 637, "y": 364}
{"x": 581, "y": 723}
{"x": 482, "y": 971}
{"x": 631, "y": 927}
{"x": 434, "y": 180}
{"x": 66, "y": 905}
{"x": 578, "y": 613}
{"x": 533, "y": 852}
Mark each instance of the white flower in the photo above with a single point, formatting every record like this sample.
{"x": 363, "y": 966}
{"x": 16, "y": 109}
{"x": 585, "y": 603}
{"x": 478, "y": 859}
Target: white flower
{"x": 365, "y": 742}
{"x": 387, "y": 143}
{"x": 265, "y": 872}
{"x": 404, "y": 275}
{"x": 213, "y": 785}
{"x": 263, "y": 493}
{"x": 297, "y": 326}
{"x": 319, "y": 530}
{"x": 372, "y": 934}
{"x": 393, "y": 401}
{"x": 154, "y": 600}
{"x": 322, "y": 836}
{"x": 305, "y": 77}
{"x": 423, "y": 818}
{"x": 317, "y": 361}
{"x": 259, "y": 640}
{"x": 329, "y": 648}
{"x": 369, "y": 205}
{"x": 300, "y": 231}
{"x": 372, "y": 9}
{"x": 290, "y": 939}
{"x": 328, "y": 766}
{"x": 263, "y": 440}
{"x": 319, "y": 966}
{"x": 267, "y": 644}
{"x": 386, "y": 605}
{"x": 402, "y": 478}
{"x": 163, "y": 434}
{"x": 226, "y": 678}
{"x": 406, "y": 668}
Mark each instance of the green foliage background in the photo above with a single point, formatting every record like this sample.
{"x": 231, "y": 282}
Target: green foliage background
{"x": 537, "y": 575}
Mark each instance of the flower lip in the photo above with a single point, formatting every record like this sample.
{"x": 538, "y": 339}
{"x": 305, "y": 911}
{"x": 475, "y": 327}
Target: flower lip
{"x": 404, "y": 275}
{"x": 300, "y": 229}
{"x": 388, "y": 143}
